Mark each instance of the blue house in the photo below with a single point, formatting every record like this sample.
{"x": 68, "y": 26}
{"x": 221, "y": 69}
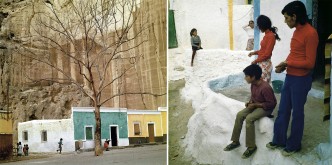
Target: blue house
{"x": 114, "y": 126}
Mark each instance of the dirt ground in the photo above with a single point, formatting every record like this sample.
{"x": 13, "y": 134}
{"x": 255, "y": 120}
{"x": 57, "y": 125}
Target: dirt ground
{"x": 30, "y": 157}
{"x": 315, "y": 131}
{"x": 179, "y": 114}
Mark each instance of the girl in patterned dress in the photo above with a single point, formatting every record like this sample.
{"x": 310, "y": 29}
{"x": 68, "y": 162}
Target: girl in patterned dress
{"x": 267, "y": 44}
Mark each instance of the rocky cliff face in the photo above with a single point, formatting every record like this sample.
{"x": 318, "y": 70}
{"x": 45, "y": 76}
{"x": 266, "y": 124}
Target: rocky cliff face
{"x": 29, "y": 101}
{"x": 47, "y": 102}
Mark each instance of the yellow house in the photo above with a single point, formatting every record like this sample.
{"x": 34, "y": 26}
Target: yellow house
{"x": 145, "y": 126}
{"x": 6, "y": 133}
{"x": 6, "y": 124}
{"x": 164, "y": 118}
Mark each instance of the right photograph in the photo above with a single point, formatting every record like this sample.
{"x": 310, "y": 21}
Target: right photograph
{"x": 249, "y": 82}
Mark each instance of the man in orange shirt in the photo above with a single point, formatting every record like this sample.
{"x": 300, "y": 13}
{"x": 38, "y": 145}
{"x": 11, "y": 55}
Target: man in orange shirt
{"x": 299, "y": 65}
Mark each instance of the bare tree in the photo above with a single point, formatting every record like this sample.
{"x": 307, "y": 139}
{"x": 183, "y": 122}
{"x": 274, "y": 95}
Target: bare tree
{"x": 87, "y": 43}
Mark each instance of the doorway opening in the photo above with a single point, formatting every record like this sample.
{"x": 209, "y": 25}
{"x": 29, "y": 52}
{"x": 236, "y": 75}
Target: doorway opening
{"x": 324, "y": 29}
{"x": 114, "y": 135}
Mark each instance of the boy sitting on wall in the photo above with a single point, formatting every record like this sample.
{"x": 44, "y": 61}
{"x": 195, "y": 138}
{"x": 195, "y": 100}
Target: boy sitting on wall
{"x": 262, "y": 103}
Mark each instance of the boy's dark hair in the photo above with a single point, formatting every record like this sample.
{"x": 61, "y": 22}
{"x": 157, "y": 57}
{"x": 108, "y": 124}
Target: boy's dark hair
{"x": 251, "y": 21}
{"x": 297, "y": 8}
{"x": 253, "y": 70}
{"x": 264, "y": 23}
{"x": 192, "y": 31}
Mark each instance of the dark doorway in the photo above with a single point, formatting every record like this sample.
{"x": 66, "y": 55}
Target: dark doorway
{"x": 114, "y": 135}
{"x": 324, "y": 29}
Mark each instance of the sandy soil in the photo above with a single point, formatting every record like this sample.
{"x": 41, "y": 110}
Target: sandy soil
{"x": 30, "y": 157}
{"x": 179, "y": 114}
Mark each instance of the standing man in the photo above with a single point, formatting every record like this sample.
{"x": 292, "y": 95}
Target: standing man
{"x": 299, "y": 65}
{"x": 19, "y": 149}
{"x": 60, "y": 146}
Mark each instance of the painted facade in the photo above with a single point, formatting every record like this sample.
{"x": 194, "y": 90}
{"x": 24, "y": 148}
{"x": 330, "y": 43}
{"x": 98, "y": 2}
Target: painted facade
{"x": 113, "y": 126}
{"x": 6, "y": 126}
{"x": 149, "y": 127}
{"x": 44, "y": 135}
{"x": 116, "y": 124}
{"x": 164, "y": 121}
{"x": 6, "y": 131}
{"x": 216, "y": 32}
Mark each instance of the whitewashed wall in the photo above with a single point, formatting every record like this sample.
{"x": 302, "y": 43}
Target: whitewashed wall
{"x": 211, "y": 20}
{"x": 56, "y": 129}
{"x": 272, "y": 9}
{"x": 242, "y": 14}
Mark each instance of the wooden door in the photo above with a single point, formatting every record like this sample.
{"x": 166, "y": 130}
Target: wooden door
{"x": 151, "y": 133}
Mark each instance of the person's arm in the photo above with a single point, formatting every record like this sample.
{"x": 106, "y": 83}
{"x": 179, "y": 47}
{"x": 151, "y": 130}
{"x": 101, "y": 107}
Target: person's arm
{"x": 192, "y": 41}
{"x": 245, "y": 27}
{"x": 247, "y": 103}
{"x": 311, "y": 43}
{"x": 267, "y": 52}
{"x": 270, "y": 102}
{"x": 200, "y": 42}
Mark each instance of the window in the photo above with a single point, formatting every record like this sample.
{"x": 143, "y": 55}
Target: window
{"x": 250, "y": 1}
{"x": 137, "y": 130}
{"x": 88, "y": 133}
{"x": 44, "y": 136}
{"x": 25, "y": 135}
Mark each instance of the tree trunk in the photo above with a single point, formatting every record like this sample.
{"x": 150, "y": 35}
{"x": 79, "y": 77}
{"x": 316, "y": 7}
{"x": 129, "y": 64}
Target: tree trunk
{"x": 97, "y": 136}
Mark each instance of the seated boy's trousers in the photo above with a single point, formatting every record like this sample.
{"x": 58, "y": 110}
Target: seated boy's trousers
{"x": 250, "y": 116}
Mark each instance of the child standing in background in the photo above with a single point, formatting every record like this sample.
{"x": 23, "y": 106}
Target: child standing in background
{"x": 250, "y": 31}
{"x": 195, "y": 43}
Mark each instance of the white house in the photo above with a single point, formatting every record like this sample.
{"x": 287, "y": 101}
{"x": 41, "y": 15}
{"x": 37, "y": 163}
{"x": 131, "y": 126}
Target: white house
{"x": 44, "y": 135}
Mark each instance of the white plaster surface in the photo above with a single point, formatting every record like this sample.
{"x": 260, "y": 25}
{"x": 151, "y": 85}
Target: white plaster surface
{"x": 210, "y": 128}
{"x": 56, "y": 129}
{"x": 272, "y": 9}
{"x": 88, "y": 144}
{"x": 121, "y": 142}
{"x": 211, "y": 21}
{"x": 214, "y": 31}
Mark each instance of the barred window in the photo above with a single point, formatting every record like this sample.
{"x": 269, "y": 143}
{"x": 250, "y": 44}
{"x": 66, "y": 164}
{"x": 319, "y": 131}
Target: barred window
{"x": 44, "y": 136}
{"x": 88, "y": 133}
{"x": 25, "y": 135}
{"x": 137, "y": 130}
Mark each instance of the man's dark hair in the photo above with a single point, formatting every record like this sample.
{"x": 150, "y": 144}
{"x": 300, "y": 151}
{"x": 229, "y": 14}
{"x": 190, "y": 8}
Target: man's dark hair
{"x": 297, "y": 8}
{"x": 253, "y": 70}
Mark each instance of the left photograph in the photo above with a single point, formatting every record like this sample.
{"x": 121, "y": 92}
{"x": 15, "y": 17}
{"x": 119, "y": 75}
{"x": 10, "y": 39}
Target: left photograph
{"x": 83, "y": 82}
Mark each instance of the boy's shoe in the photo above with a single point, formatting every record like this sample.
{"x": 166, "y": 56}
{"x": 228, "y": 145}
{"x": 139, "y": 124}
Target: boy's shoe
{"x": 231, "y": 146}
{"x": 286, "y": 152}
{"x": 272, "y": 146}
{"x": 248, "y": 152}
